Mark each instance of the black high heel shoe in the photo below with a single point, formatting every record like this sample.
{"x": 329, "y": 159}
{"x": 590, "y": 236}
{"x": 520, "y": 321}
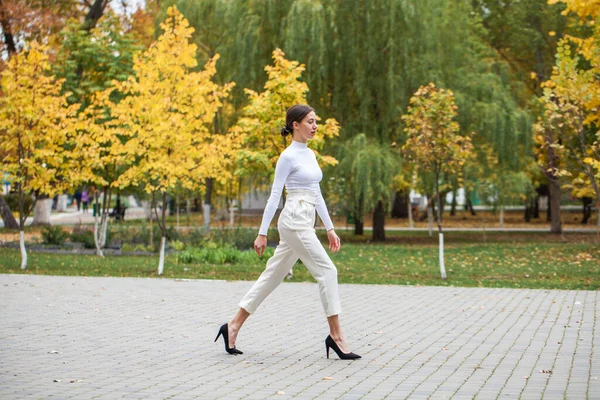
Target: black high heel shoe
{"x": 224, "y": 330}
{"x": 329, "y": 342}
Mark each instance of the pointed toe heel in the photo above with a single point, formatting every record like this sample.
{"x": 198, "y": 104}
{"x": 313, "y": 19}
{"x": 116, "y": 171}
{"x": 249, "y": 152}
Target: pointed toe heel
{"x": 224, "y": 331}
{"x": 330, "y": 343}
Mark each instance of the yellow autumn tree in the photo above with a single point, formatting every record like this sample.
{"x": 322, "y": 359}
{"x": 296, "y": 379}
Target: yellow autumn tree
{"x": 35, "y": 120}
{"x": 264, "y": 117}
{"x": 165, "y": 118}
{"x": 568, "y": 132}
{"x": 98, "y": 158}
{"x": 434, "y": 141}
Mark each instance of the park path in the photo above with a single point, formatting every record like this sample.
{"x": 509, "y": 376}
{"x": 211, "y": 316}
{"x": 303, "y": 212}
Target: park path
{"x": 109, "y": 338}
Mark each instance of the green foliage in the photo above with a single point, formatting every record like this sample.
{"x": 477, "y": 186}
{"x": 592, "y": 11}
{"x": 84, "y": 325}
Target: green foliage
{"x": 240, "y": 238}
{"x": 91, "y": 60}
{"x": 84, "y": 236}
{"x": 368, "y": 168}
{"x": 177, "y": 245}
{"x": 221, "y": 255}
{"x": 140, "y": 235}
{"x": 54, "y": 235}
{"x": 12, "y": 199}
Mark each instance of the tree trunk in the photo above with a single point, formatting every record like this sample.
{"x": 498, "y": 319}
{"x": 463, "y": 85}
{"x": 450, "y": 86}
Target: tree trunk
{"x": 207, "y": 202}
{"x": 152, "y": 208}
{"x": 411, "y": 223}
{"x": 23, "y": 250}
{"x": 42, "y": 211}
{"x": 554, "y": 207}
{"x": 430, "y": 217}
{"x": 379, "y": 223}
{"x": 587, "y": 209}
{"x": 9, "y": 39}
{"x": 7, "y": 216}
{"x": 358, "y": 226}
{"x": 529, "y": 206}
{"x": 95, "y": 12}
{"x": 163, "y": 229}
{"x": 536, "y": 207}
{"x": 399, "y": 208}
{"x": 104, "y": 225}
{"x": 439, "y": 222}
{"x": 98, "y": 212}
{"x": 469, "y": 206}
{"x": 23, "y": 213}
{"x": 177, "y": 210}
{"x": 232, "y": 208}
{"x": 358, "y": 218}
{"x": 501, "y": 216}
{"x": 188, "y": 205}
{"x": 453, "y": 209}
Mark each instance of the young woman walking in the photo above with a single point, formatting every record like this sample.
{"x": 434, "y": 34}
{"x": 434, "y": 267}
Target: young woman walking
{"x": 297, "y": 170}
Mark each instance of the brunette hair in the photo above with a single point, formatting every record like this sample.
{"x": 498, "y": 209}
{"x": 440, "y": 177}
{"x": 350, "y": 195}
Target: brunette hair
{"x": 295, "y": 113}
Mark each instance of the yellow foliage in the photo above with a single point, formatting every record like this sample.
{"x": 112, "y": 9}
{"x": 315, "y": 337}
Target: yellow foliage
{"x": 164, "y": 121}
{"x": 434, "y": 140}
{"x": 264, "y": 117}
{"x": 583, "y": 8}
{"x": 34, "y": 122}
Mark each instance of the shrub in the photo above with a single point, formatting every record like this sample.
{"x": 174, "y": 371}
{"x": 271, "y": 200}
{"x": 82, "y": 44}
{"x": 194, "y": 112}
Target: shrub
{"x": 83, "y": 236}
{"x": 12, "y": 200}
{"x": 177, "y": 245}
{"x": 54, "y": 235}
{"x": 86, "y": 237}
{"x": 214, "y": 254}
{"x": 241, "y": 238}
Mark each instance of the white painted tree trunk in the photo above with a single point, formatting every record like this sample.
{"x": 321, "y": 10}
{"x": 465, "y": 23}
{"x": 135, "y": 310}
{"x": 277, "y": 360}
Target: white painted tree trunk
{"x": 61, "y": 204}
{"x": 410, "y": 216}
{"x": 430, "y": 220}
{"x": 23, "y": 250}
{"x": 161, "y": 261}
{"x": 232, "y": 208}
{"x": 97, "y": 237}
{"x": 206, "y": 209}
{"x": 442, "y": 266}
{"x": 42, "y": 211}
{"x": 104, "y": 227}
{"x": 501, "y": 217}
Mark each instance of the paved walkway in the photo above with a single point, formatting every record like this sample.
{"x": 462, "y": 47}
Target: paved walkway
{"x": 108, "y": 338}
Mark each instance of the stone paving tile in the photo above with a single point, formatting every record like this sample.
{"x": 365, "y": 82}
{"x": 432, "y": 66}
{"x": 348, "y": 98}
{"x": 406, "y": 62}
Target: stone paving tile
{"x": 109, "y": 338}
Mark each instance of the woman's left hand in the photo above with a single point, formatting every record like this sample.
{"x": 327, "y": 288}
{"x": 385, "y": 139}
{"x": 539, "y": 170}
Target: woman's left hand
{"x": 334, "y": 241}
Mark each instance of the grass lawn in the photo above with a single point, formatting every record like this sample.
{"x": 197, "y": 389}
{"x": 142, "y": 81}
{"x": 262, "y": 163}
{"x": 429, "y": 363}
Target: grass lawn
{"x": 516, "y": 261}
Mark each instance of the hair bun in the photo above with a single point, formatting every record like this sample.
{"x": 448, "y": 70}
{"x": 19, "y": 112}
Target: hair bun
{"x": 285, "y": 131}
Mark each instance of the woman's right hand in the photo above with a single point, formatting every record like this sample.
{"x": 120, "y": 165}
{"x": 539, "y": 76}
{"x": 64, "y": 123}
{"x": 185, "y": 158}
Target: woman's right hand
{"x": 260, "y": 244}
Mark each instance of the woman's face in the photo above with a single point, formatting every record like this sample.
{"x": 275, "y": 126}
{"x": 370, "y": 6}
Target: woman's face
{"x": 306, "y": 129}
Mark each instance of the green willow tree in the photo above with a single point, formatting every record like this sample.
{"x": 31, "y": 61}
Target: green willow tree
{"x": 368, "y": 168}
{"x": 365, "y": 59}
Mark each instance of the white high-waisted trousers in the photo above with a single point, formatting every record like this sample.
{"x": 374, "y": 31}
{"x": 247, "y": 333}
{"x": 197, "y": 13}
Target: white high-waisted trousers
{"x": 298, "y": 241}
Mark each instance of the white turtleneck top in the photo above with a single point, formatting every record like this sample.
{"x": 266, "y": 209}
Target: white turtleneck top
{"x": 297, "y": 168}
